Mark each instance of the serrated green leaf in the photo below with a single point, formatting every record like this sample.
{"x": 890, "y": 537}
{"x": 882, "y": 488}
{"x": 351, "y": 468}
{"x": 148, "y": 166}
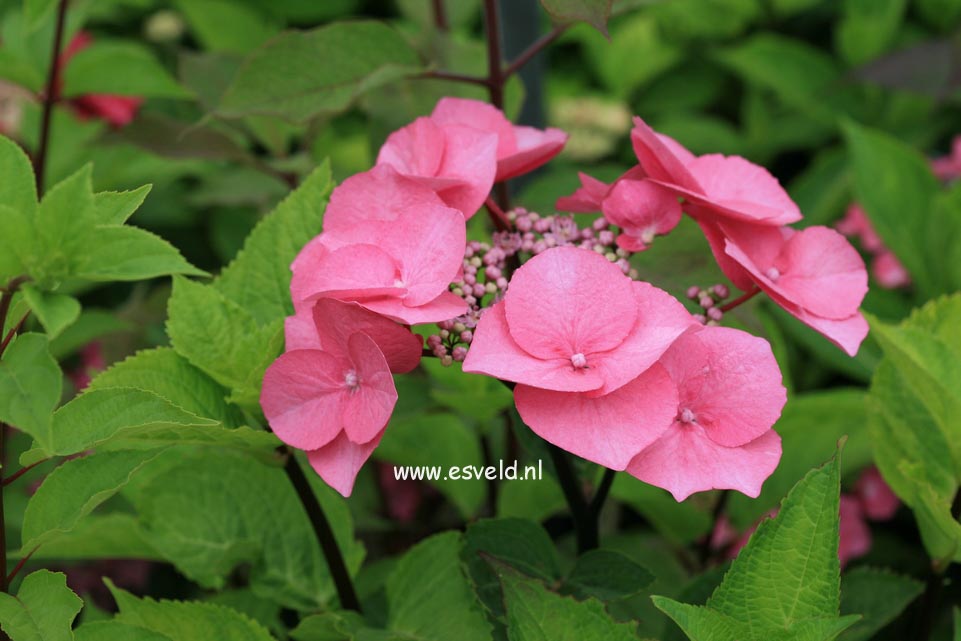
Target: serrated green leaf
{"x": 536, "y": 614}
{"x": 63, "y": 220}
{"x": 786, "y": 583}
{"x": 208, "y": 514}
{"x": 74, "y": 489}
{"x": 606, "y": 575}
{"x": 102, "y": 415}
{"x": 879, "y": 595}
{"x": 258, "y": 279}
{"x": 113, "y": 535}
{"x": 43, "y": 609}
{"x": 115, "y": 207}
{"x": 129, "y": 253}
{"x": 92, "y": 324}
{"x": 186, "y": 620}
{"x": 168, "y": 374}
{"x": 55, "y": 311}
{"x": 358, "y": 56}
{"x": 18, "y": 190}
{"x": 30, "y": 385}
{"x": 441, "y": 608}
{"x": 593, "y": 12}
{"x": 223, "y": 339}
{"x": 120, "y": 68}
{"x": 439, "y": 440}
{"x": 116, "y": 631}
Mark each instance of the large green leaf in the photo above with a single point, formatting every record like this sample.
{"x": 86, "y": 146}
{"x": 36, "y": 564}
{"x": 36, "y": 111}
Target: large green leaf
{"x": 30, "y": 385}
{"x": 258, "y": 279}
{"x": 879, "y": 595}
{"x": 442, "y": 607}
{"x": 113, "y": 630}
{"x": 119, "y": 67}
{"x": 55, "y": 311}
{"x": 17, "y": 190}
{"x": 74, "y": 489}
{"x": 186, "y": 620}
{"x": 606, "y": 575}
{"x": 208, "y": 514}
{"x": 42, "y": 610}
{"x": 283, "y": 78}
{"x": 222, "y": 338}
{"x": 128, "y": 253}
{"x": 868, "y": 28}
{"x": 786, "y": 583}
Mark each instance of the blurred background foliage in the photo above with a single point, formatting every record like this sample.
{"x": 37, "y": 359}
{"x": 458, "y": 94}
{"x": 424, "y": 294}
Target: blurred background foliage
{"x": 226, "y": 131}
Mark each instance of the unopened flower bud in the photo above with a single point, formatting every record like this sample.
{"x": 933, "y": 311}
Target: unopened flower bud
{"x": 706, "y": 302}
{"x": 459, "y": 354}
{"x": 715, "y": 314}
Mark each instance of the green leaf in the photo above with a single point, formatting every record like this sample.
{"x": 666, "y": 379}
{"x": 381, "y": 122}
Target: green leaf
{"x": 207, "y": 515}
{"x": 113, "y": 535}
{"x": 879, "y": 595}
{"x": 74, "y": 489}
{"x": 593, "y": 12}
{"x": 358, "y": 56}
{"x": 62, "y": 223}
{"x": 786, "y": 583}
{"x": 441, "y": 608}
{"x": 103, "y": 415}
{"x": 116, "y": 631}
{"x": 128, "y": 253}
{"x": 186, "y": 620}
{"x": 248, "y": 27}
{"x": 222, "y": 338}
{"x": 120, "y": 68}
{"x": 18, "y": 190}
{"x": 258, "y": 279}
{"x": 36, "y": 11}
{"x": 55, "y": 311}
{"x": 481, "y": 398}
{"x": 90, "y": 326}
{"x": 43, "y": 610}
{"x": 115, "y": 207}
{"x": 536, "y": 614}
{"x": 443, "y": 441}
{"x": 868, "y": 28}
{"x": 895, "y": 186}
{"x": 168, "y": 374}
{"x": 607, "y": 575}
{"x": 796, "y": 71}
{"x": 30, "y": 385}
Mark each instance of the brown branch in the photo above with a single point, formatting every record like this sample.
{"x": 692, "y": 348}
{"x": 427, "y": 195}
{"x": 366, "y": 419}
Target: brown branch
{"x": 50, "y": 97}
{"x": 535, "y": 48}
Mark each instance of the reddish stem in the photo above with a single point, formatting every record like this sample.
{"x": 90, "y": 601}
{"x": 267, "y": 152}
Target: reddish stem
{"x": 495, "y": 73}
{"x": 20, "y": 564}
{"x": 536, "y": 47}
{"x": 50, "y": 97}
{"x": 501, "y": 221}
{"x": 23, "y": 470}
{"x": 436, "y": 74}
{"x": 440, "y": 15}
{"x": 740, "y": 300}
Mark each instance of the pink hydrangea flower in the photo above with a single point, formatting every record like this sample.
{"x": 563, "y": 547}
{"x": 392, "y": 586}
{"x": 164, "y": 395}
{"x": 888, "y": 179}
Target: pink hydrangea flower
{"x": 571, "y": 321}
{"x": 519, "y": 149}
{"x": 878, "y": 501}
{"x": 949, "y": 167}
{"x": 719, "y": 187}
{"x": 642, "y": 209}
{"x": 856, "y": 224}
{"x": 888, "y": 271}
{"x": 814, "y": 274}
{"x": 334, "y": 397}
{"x": 118, "y": 111}
{"x": 398, "y": 262}
{"x": 456, "y": 161}
{"x": 854, "y": 534}
{"x": 729, "y": 397}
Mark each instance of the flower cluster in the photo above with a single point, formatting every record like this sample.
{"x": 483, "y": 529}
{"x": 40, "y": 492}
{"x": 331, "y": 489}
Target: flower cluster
{"x": 604, "y": 365}
{"x": 885, "y": 266}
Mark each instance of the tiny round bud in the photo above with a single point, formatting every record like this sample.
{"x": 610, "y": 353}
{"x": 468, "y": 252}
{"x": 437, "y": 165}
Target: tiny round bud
{"x": 493, "y": 272}
{"x": 458, "y": 291}
{"x": 633, "y": 274}
{"x": 467, "y": 336}
{"x": 469, "y": 280}
{"x": 490, "y": 287}
{"x": 445, "y": 334}
{"x": 599, "y": 249}
{"x": 700, "y": 318}
{"x": 721, "y": 291}
{"x": 446, "y": 360}
{"x": 611, "y": 256}
{"x": 502, "y": 283}
{"x": 623, "y": 253}
{"x": 470, "y": 300}
{"x": 706, "y": 302}
{"x": 606, "y": 237}
{"x": 715, "y": 314}
{"x": 459, "y": 354}
{"x": 459, "y": 327}
{"x": 476, "y": 261}
{"x": 479, "y": 290}
{"x": 599, "y": 223}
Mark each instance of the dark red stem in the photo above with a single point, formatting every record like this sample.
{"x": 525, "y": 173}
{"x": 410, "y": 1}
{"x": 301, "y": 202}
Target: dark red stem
{"x": 50, "y": 98}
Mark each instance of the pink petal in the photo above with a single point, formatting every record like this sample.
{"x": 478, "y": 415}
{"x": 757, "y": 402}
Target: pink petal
{"x": 569, "y": 301}
{"x": 660, "y": 320}
{"x": 847, "y": 333}
{"x": 368, "y": 407}
{"x": 494, "y": 352}
{"x": 608, "y": 430}
{"x": 415, "y": 150}
{"x": 302, "y": 396}
{"x": 684, "y": 461}
{"x": 339, "y": 462}
{"x": 729, "y": 381}
{"x": 374, "y": 195}
{"x": 641, "y": 209}
{"x": 300, "y": 332}
{"x": 333, "y": 322}
{"x": 735, "y": 272}
{"x": 662, "y": 158}
{"x": 878, "y": 501}
{"x": 352, "y": 271}
{"x": 889, "y": 272}
{"x": 444, "y": 307}
{"x": 587, "y": 198}
{"x": 480, "y": 115}
{"x": 853, "y": 532}
{"x": 737, "y": 188}
{"x": 534, "y": 148}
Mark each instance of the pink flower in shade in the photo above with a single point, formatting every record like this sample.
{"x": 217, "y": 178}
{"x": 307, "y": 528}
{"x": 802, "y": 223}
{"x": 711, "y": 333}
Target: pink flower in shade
{"x": 888, "y": 271}
{"x": 878, "y": 501}
{"x": 642, "y": 209}
{"x": 91, "y": 362}
{"x": 519, "y": 149}
{"x": 719, "y": 187}
{"x": 814, "y": 274}
{"x": 571, "y": 321}
{"x": 949, "y": 167}
{"x": 854, "y": 533}
{"x": 399, "y": 263}
{"x": 729, "y": 396}
{"x": 118, "y": 111}
{"x": 456, "y": 161}
{"x": 856, "y": 224}
{"x": 402, "y": 497}
{"x": 333, "y": 394}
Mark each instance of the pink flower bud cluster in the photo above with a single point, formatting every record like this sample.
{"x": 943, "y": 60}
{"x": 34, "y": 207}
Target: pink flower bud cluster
{"x": 885, "y": 266}
{"x": 709, "y": 299}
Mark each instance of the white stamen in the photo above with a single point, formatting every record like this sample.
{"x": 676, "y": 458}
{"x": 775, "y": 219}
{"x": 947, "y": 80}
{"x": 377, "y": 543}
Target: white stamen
{"x": 687, "y": 416}
{"x": 773, "y": 273}
{"x": 579, "y": 361}
{"x": 351, "y": 380}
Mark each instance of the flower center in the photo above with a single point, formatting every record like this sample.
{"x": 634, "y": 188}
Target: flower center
{"x": 773, "y": 273}
{"x": 686, "y": 416}
{"x": 579, "y": 361}
{"x": 351, "y": 380}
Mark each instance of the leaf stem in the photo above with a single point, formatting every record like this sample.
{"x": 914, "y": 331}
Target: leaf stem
{"x": 535, "y": 48}
{"x": 585, "y": 518}
{"x": 437, "y": 74}
{"x": 23, "y": 470}
{"x": 495, "y": 73}
{"x": 50, "y": 98}
{"x": 324, "y": 533}
{"x": 740, "y": 300}
{"x": 440, "y": 15}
